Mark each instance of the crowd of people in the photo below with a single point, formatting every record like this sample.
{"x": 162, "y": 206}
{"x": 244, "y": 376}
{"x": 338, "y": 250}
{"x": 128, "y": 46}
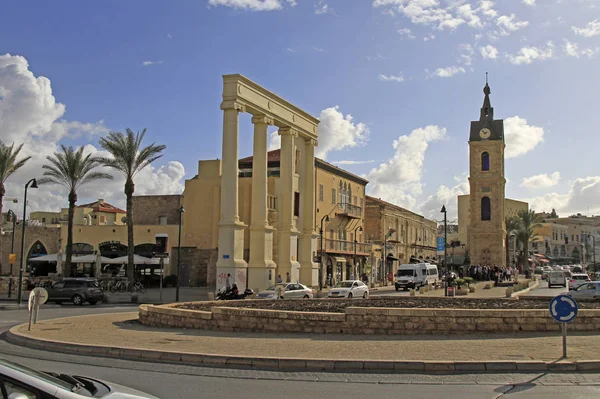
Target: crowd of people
{"x": 492, "y": 273}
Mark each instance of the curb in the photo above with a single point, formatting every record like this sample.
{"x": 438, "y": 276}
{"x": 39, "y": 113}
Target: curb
{"x": 293, "y": 364}
{"x": 530, "y": 288}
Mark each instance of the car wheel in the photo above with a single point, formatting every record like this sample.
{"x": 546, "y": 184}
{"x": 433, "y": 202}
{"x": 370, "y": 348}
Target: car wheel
{"x": 350, "y": 296}
{"x": 366, "y": 295}
{"x": 306, "y": 297}
{"x": 77, "y": 300}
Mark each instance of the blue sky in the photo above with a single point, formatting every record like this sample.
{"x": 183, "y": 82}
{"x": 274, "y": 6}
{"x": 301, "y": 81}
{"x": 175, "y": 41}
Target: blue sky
{"x": 409, "y": 72}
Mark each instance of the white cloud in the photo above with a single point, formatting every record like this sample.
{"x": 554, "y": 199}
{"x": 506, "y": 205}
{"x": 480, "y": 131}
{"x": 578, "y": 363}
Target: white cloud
{"x": 405, "y": 32}
{"x": 30, "y": 114}
{"x": 399, "y": 179}
{"x": 508, "y": 24}
{"x": 530, "y": 3}
{"x": 581, "y": 198}
{"x": 253, "y": 5}
{"x": 590, "y": 30}
{"x": 489, "y": 52}
{"x": 375, "y": 57}
{"x": 573, "y": 50}
{"x": 529, "y": 54}
{"x": 148, "y": 63}
{"x": 318, "y": 49}
{"x": 291, "y": 50}
{"x": 448, "y": 196}
{"x": 323, "y": 8}
{"x": 467, "y": 13}
{"x": 521, "y": 137}
{"x": 465, "y": 56}
{"x": 169, "y": 36}
{"x": 543, "y": 180}
{"x": 336, "y": 132}
{"x": 352, "y": 162}
{"x": 429, "y": 37}
{"x": 448, "y": 72}
{"x": 391, "y": 78}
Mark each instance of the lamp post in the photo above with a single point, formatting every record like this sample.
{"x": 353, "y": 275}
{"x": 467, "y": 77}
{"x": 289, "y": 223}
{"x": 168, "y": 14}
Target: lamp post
{"x": 384, "y": 251}
{"x": 359, "y": 228}
{"x": 593, "y": 248}
{"x": 33, "y": 184}
{"x": 323, "y": 219}
{"x": 180, "y": 210}
{"x": 13, "y": 217}
{"x": 446, "y": 248}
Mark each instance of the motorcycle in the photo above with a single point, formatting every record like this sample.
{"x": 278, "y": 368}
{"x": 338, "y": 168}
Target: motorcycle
{"x": 232, "y": 294}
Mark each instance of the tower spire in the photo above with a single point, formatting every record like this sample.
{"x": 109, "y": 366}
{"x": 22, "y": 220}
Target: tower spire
{"x": 487, "y": 112}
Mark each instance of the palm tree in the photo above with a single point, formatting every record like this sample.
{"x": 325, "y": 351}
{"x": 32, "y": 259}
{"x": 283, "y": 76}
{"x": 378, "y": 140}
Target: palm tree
{"x": 71, "y": 169}
{"x": 129, "y": 158}
{"x": 525, "y": 234}
{"x": 512, "y": 225}
{"x": 8, "y": 165}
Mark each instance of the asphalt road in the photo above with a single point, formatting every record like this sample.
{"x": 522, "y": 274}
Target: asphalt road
{"x": 543, "y": 290}
{"x": 174, "y": 381}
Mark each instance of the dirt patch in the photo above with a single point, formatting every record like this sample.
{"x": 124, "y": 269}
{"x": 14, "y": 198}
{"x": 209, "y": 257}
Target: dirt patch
{"x": 338, "y": 305}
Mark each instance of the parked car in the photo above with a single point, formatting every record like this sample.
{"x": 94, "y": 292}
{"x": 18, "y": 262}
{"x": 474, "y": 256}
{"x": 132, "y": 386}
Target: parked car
{"x": 589, "y": 290}
{"x": 577, "y": 279}
{"x": 349, "y": 289}
{"x": 76, "y": 290}
{"x": 290, "y": 291}
{"x": 20, "y": 382}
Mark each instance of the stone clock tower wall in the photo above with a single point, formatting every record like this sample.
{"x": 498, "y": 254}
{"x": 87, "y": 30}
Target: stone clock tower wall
{"x": 487, "y": 227}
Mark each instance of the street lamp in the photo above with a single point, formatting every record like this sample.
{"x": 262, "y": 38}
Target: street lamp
{"x": 180, "y": 210}
{"x": 359, "y": 228}
{"x": 593, "y": 248}
{"x": 323, "y": 219}
{"x": 446, "y": 248}
{"x": 33, "y": 184}
{"x": 13, "y": 218}
{"x": 384, "y": 252}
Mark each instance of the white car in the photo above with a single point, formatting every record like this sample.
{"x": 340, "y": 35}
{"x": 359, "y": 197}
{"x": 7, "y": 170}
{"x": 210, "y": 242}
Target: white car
{"x": 349, "y": 289}
{"x": 577, "y": 279}
{"x": 289, "y": 291}
{"x": 20, "y": 382}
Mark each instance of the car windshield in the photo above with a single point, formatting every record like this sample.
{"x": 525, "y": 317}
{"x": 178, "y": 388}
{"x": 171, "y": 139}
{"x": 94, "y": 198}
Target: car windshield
{"x": 272, "y": 288}
{"x": 344, "y": 284}
{"x": 39, "y": 375}
{"x": 580, "y": 277}
{"x": 406, "y": 272}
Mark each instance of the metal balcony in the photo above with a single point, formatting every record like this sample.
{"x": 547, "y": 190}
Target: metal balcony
{"x": 346, "y": 247}
{"x": 349, "y": 210}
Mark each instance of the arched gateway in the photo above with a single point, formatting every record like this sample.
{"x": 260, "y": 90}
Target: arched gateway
{"x": 296, "y": 243}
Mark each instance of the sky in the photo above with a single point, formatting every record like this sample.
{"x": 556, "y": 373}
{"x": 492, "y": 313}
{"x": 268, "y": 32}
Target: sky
{"x": 395, "y": 84}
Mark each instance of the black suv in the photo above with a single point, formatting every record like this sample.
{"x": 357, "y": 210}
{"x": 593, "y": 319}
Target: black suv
{"x": 76, "y": 290}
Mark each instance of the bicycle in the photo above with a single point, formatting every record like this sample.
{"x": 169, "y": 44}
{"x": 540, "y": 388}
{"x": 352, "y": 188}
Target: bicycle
{"x": 138, "y": 287}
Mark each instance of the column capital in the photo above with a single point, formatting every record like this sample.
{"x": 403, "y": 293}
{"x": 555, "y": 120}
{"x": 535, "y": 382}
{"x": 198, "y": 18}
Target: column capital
{"x": 263, "y": 120}
{"x": 313, "y": 142}
{"x": 233, "y": 105}
{"x": 287, "y": 131}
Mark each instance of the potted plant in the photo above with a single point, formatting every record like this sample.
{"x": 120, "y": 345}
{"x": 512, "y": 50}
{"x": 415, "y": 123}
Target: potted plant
{"x": 469, "y": 281}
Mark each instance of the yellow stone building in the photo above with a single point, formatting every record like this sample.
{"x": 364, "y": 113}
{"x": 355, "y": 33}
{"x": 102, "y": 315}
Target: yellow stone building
{"x": 567, "y": 240}
{"x": 98, "y": 213}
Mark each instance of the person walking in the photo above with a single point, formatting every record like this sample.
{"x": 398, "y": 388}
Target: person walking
{"x": 279, "y": 279}
{"x": 288, "y": 278}
{"x": 228, "y": 282}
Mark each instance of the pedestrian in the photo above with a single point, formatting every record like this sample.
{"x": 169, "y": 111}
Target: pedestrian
{"x": 288, "y": 278}
{"x": 228, "y": 282}
{"x": 351, "y": 276}
{"x": 279, "y": 280}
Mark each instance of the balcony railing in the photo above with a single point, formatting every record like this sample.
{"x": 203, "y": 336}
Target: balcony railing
{"x": 342, "y": 246}
{"x": 350, "y": 210}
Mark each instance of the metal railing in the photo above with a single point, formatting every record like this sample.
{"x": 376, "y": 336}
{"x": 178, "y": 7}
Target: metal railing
{"x": 350, "y": 209}
{"x": 346, "y": 246}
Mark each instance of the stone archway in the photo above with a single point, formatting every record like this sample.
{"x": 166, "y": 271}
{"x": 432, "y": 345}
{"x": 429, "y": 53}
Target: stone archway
{"x": 37, "y": 249}
{"x": 298, "y": 131}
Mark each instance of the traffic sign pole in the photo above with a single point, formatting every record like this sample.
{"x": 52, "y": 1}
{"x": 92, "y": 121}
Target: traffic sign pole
{"x": 563, "y": 309}
{"x": 564, "y": 339}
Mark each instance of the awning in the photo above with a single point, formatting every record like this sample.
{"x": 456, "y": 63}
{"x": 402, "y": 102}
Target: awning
{"x": 339, "y": 259}
{"x": 390, "y": 257}
{"x": 540, "y": 256}
{"x": 137, "y": 260}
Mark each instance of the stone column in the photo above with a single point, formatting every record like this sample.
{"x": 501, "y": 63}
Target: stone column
{"x": 231, "y": 230}
{"x": 308, "y": 240}
{"x": 288, "y": 235}
{"x": 261, "y": 268}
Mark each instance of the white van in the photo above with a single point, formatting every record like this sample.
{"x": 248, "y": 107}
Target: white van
{"x": 557, "y": 277}
{"x": 416, "y": 275}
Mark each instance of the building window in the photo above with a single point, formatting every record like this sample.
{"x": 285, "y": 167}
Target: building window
{"x": 297, "y": 204}
{"x": 162, "y": 220}
{"x": 297, "y": 162}
{"x": 321, "y": 192}
{"x": 43, "y": 220}
{"x": 362, "y": 203}
{"x": 485, "y": 161}
{"x": 102, "y": 219}
{"x": 333, "y": 195}
{"x": 486, "y": 209}
{"x": 355, "y": 200}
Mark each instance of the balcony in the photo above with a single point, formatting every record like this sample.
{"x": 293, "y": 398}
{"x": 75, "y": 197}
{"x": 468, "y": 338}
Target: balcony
{"x": 350, "y": 211}
{"x": 346, "y": 247}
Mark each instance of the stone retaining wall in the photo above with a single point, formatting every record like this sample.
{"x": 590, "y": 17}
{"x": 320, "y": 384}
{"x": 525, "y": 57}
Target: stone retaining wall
{"x": 365, "y": 320}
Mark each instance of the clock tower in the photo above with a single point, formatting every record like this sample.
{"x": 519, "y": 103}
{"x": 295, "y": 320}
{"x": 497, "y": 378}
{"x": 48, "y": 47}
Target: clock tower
{"x": 487, "y": 228}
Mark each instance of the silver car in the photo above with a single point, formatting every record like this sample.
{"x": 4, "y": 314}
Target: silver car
{"x": 288, "y": 291}
{"x": 589, "y": 290}
{"x": 20, "y": 382}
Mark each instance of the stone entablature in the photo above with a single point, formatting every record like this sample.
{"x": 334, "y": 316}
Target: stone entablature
{"x": 365, "y": 321}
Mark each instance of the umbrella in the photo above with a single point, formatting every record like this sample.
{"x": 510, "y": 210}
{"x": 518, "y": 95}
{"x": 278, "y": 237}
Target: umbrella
{"x": 137, "y": 260}
{"x": 89, "y": 259}
{"x": 46, "y": 258}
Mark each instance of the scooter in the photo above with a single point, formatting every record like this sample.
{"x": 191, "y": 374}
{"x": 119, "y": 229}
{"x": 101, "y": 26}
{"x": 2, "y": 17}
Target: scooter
{"x": 232, "y": 294}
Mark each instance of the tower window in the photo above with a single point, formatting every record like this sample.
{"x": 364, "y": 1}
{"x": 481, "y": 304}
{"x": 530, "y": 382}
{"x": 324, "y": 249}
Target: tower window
{"x": 486, "y": 209}
{"x": 485, "y": 161}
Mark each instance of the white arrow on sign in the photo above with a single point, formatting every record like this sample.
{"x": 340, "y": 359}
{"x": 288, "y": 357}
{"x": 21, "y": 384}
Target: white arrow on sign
{"x": 568, "y": 300}
{"x": 554, "y": 313}
{"x": 563, "y": 318}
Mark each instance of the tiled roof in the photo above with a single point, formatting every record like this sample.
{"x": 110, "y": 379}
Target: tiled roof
{"x": 101, "y": 206}
{"x": 272, "y": 156}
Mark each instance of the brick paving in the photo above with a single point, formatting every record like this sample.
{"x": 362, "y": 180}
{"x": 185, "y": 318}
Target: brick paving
{"x": 122, "y": 331}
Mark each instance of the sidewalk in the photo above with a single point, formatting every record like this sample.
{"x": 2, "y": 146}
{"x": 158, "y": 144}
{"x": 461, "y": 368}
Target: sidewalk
{"x": 112, "y": 333}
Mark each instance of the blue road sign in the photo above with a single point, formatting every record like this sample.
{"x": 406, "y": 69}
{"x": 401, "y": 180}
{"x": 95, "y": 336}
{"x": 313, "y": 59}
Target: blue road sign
{"x": 440, "y": 244}
{"x": 563, "y": 308}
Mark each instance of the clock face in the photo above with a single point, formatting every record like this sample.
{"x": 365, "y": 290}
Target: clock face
{"x": 485, "y": 133}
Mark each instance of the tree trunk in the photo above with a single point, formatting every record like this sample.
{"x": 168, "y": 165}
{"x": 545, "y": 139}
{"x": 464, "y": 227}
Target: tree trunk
{"x": 129, "y": 189}
{"x": 69, "y": 250}
{"x": 2, "y": 192}
{"x": 526, "y": 256}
